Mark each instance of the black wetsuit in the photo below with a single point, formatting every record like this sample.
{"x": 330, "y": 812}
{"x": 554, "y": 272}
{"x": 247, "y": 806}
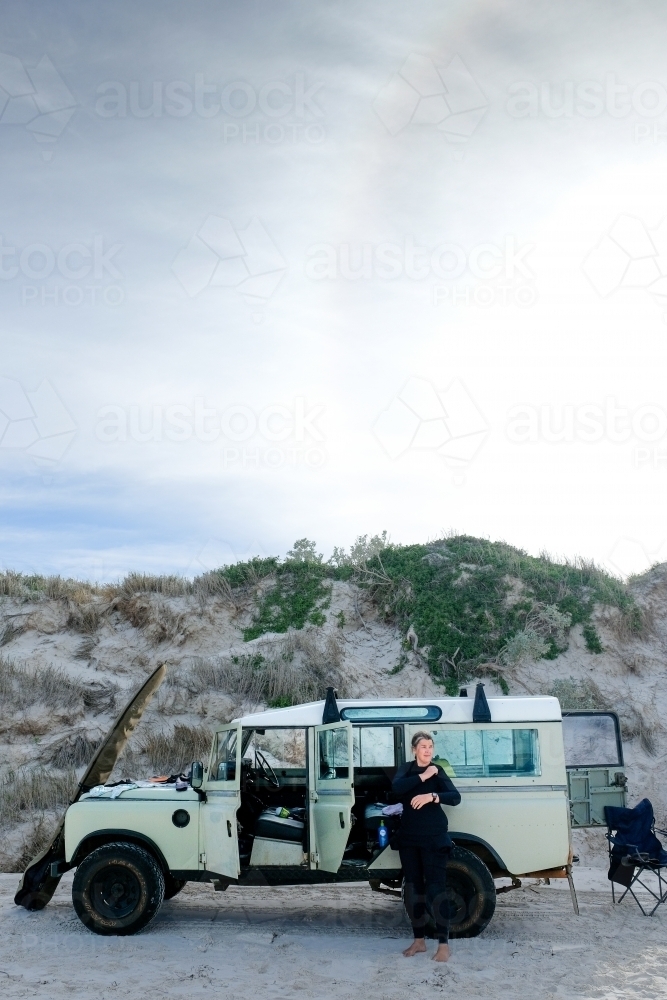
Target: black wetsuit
{"x": 424, "y": 845}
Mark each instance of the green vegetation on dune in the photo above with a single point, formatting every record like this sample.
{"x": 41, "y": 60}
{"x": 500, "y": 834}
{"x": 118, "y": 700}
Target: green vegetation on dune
{"x": 472, "y": 601}
{"x": 298, "y": 598}
{"x": 300, "y": 594}
{"x": 465, "y": 605}
{"x": 468, "y": 602}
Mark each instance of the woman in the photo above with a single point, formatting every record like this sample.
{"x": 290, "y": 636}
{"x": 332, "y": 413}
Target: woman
{"x": 424, "y": 843}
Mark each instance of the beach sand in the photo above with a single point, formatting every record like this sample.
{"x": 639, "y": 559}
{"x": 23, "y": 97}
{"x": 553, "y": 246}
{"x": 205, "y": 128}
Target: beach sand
{"x": 335, "y": 942}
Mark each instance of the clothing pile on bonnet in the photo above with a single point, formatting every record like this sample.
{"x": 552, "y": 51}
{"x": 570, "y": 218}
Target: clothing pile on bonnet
{"x": 178, "y": 782}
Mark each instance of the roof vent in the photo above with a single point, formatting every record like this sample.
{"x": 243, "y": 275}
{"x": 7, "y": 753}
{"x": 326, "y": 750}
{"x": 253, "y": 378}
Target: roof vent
{"x": 330, "y": 713}
{"x": 480, "y": 710}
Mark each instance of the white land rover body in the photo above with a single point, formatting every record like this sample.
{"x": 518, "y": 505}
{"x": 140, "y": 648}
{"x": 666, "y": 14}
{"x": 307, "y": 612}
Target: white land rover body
{"x": 286, "y": 800}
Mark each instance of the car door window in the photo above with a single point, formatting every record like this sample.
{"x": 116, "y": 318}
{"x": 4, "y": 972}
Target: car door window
{"x": 333, "y": 759}
{"x": 592, "y": 739}
{"x": 373, "y": 746}
{"x": 224, "y": 758}
{"x": 284, "y": 749}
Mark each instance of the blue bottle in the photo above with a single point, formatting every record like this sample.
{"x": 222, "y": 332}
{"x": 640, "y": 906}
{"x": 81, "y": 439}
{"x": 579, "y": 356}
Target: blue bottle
{"x": 383, "y": 834}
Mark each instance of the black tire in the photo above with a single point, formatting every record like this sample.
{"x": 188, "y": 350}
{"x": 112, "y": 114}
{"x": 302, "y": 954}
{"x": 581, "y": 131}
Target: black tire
{"x": 118, "y": 889}
{"x": 172, "y": 886}
{"x": 472, "y": 895}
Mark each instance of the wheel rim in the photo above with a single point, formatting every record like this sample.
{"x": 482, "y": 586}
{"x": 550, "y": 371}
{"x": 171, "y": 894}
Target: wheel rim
{"x": 115, "y": 892}
{"x": 463, "y": 900}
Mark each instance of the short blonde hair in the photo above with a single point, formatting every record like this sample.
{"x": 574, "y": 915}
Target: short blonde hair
{"x": 418, "y": 737}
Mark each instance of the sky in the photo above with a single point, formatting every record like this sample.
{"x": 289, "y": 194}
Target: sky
{"x": 274, "y": 270}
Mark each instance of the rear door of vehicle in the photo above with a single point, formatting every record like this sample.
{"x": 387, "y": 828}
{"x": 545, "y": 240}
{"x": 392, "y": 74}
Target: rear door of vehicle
{"x": 219, "y": 837}
{"x": 331, "y": 795}
{"x": 594, "y": 762}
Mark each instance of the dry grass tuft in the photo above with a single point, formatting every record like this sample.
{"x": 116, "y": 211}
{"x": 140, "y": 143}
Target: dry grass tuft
{"x": 86, "y": 618}
{"x": 71, "y": 751}
{"x": 160, "y": 622}
{"x": 100, "y": 697}
{"x": 34, "y": 840}
{"x": 30, "y": 727}
{"x": 15, "y": 627}
{"x": 85, "y": 648}
{"x": 144, "y": 583}
{"x": 629, "y": 624}
{"x": 22, "y": 587}
{"x": 296, "y": 669}
{"x": 173, "y": 752}
{"x": 634, "y": 726}
{"x": 22, "y": 687}
{"x": 29, "y": 791}
{"x": 214, "y": 586}
{"x": 576, "y": 695}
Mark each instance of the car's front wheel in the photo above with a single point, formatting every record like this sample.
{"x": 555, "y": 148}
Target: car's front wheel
{"x": 118, "y": 889}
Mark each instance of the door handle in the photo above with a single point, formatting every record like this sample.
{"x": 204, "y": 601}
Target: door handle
{"x": 229, "y": 828}
{"x": 342, "y": 821}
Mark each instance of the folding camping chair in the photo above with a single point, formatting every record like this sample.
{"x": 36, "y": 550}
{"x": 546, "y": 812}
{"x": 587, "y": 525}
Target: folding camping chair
{"x": 635, "y": 853}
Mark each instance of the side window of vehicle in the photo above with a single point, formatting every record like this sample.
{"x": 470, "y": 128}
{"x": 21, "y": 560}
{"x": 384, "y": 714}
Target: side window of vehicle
{"x": 487, "y": 753}
{"x": 592, "y": 739}
{"x": 333, "y": 760}
{"x": 224, "y": 759}
{"x": 373, "y": 746}
{"x": 284, "y": 749}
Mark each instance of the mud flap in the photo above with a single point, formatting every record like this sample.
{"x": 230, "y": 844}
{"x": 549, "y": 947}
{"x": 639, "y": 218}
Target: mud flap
{"x": 37, "y": 884}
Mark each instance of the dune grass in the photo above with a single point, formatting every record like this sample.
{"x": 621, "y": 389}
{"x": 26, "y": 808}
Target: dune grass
{"x": 468, "y": 600}
{"x": 22, "y": 686}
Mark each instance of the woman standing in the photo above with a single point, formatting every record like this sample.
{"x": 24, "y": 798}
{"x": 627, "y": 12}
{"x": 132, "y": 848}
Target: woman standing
{"x": 424, "y": 843}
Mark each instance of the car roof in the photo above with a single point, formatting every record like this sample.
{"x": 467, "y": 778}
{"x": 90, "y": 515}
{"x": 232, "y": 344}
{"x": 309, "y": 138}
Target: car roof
{"x": 507, "y": 709}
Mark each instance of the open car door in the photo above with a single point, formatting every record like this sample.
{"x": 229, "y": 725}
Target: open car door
{"x": 219, "y": 840}
{"x": 594, "y": 762}
{"x": 39, "y": 881}
{"x": 331, "y": 795}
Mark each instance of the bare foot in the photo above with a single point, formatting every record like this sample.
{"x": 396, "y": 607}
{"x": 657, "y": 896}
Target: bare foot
{"x": 443, "y": 953}
{"x": 417, "y": 945}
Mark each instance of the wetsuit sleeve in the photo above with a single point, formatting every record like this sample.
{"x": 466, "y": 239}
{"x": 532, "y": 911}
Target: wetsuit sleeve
{"x": 404, "y": 783}
{"x": 447, "y": 793}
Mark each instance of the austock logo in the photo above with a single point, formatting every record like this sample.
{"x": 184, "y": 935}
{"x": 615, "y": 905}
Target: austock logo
{"x": 421, "y": 93}
{"x": 36, "y": 422}
{"x": 273, "y": 437}
{"x": 630, "y": 256}
{"x": 36, "y": 98}
{"x": 422, "y": 418}
{"x": 220, "y": 256}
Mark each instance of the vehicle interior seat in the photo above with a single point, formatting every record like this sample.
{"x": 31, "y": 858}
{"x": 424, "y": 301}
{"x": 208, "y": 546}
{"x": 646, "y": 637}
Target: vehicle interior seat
{"x": 275, "y": 827}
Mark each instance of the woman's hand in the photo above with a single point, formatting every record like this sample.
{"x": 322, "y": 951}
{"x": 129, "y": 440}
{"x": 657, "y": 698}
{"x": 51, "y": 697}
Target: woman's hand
{"x": 421, "y": 800}
{"x": 430, "y": 772}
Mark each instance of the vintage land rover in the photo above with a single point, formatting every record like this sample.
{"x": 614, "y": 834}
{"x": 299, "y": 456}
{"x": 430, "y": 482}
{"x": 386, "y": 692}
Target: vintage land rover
{"x": 297, "y": 795}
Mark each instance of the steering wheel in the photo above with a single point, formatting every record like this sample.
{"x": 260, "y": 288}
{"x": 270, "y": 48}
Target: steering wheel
{"x": 266, "y": 769}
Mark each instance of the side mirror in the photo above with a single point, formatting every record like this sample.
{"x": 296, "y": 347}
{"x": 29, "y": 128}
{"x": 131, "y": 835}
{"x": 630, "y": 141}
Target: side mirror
{"x": 197, "y": 774}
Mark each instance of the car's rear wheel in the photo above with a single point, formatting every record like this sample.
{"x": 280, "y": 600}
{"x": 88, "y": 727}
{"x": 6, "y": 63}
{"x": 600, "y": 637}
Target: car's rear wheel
{"x": 172, "y": 886}
{"x": 471, "y": 894}
{"x": 118, "y": 889}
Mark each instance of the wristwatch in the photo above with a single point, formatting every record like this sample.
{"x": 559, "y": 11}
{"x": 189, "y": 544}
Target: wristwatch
{"x": 435, "y": 796}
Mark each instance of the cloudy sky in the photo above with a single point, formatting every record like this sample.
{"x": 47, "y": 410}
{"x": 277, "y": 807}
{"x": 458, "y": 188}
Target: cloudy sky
{"x": 282, "y": 269}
